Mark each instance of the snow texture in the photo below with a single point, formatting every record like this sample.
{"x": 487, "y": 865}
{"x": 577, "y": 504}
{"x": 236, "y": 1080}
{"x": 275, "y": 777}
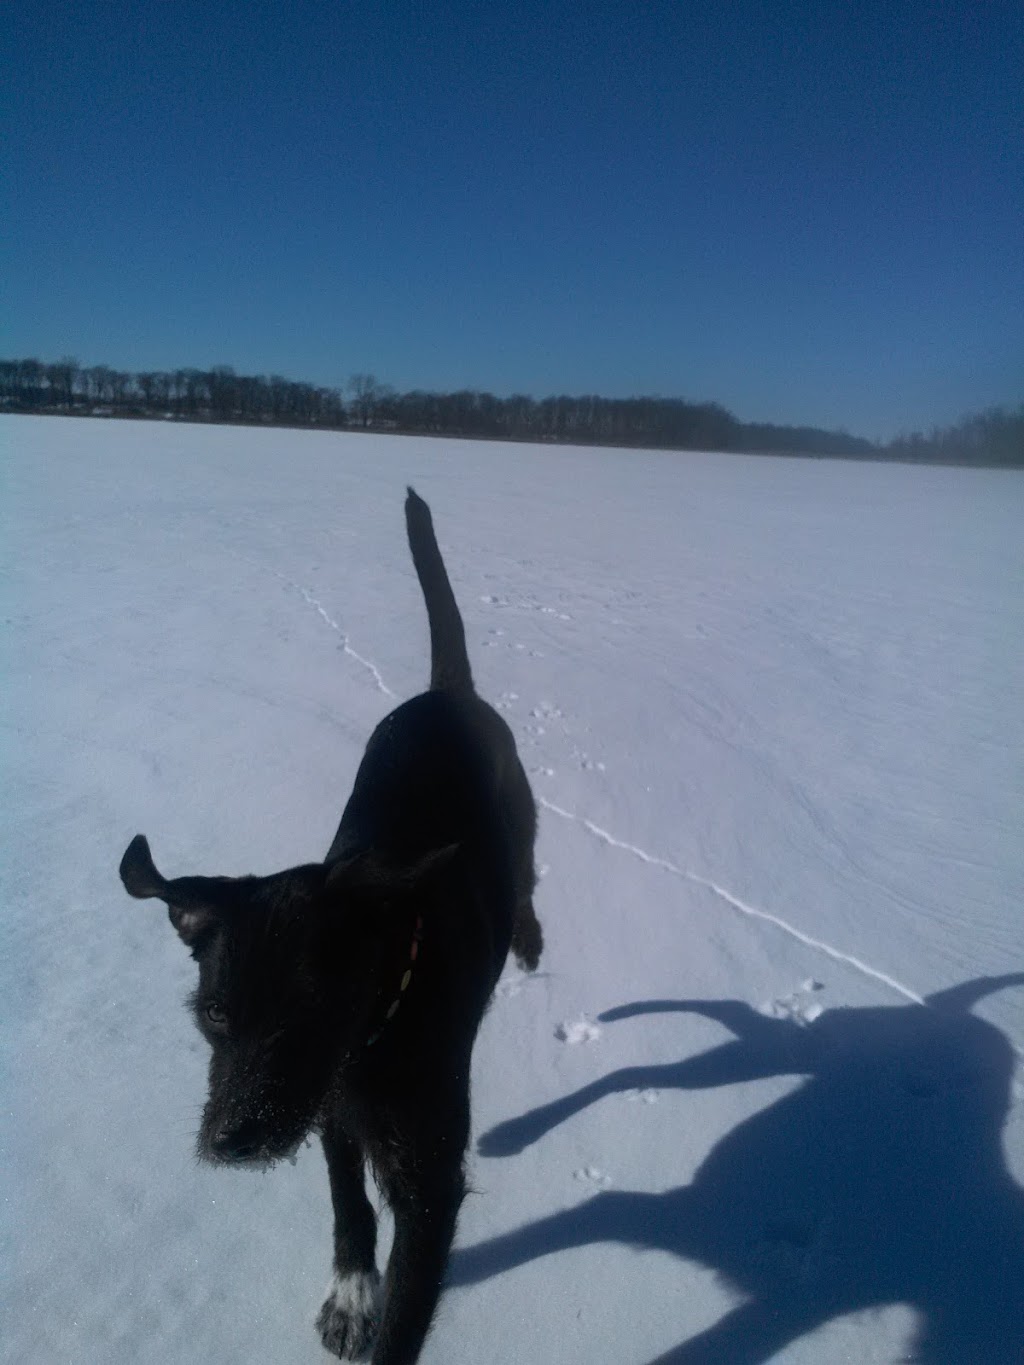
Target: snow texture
{"x": 773, "y": 714}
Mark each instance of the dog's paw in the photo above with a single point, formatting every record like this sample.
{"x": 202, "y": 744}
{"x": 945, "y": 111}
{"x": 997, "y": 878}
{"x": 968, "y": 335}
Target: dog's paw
{"x": 349, "y": 1318}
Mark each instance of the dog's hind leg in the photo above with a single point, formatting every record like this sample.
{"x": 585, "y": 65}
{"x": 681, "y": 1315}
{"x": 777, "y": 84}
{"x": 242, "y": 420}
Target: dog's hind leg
{"x": 348, "y": 1320}
{"x": 521, "y": 828}
{"x": 527, "y": 936}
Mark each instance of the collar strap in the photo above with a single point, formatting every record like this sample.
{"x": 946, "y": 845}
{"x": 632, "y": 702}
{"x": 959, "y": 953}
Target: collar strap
{"x": 393, "y": 1008}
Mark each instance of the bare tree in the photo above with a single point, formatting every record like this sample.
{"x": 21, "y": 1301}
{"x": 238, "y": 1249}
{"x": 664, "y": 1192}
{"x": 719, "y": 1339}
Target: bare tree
{"x": 365, "y": 392}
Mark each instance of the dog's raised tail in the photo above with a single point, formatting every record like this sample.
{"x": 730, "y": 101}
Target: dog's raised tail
{"x": 449, "y": 662}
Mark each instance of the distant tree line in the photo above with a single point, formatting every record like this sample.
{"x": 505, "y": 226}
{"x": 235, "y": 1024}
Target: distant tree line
{"x": 221, "y": 395}
{"x": 995, "y": 437}
{"x": 217, "y": 395}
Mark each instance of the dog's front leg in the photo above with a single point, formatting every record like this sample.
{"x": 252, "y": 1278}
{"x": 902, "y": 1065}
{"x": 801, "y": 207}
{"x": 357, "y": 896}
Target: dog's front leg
{"x": 424, "y": 1186}
{"x": 425, "y": 1216}
{"x": 347, "y": 1322}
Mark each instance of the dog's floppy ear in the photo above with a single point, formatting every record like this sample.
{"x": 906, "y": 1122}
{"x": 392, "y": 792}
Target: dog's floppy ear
{"x": 190, "y": 914}
{"x": 374, "y": 873}
{"x": 138, "y": 871}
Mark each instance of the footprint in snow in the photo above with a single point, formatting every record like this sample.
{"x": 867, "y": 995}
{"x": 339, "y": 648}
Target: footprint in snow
{"x": 796, "y": 1007}
{"x": 546, "y": 710}
{"x": 581, "y": 1030}
{"x": 592, "y": 1173}
{"x": 644, "y": 1096}
{"x": 514, "y": 985}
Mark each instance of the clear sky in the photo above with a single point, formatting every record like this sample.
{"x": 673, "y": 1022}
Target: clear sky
{"x": 809, "y": 212}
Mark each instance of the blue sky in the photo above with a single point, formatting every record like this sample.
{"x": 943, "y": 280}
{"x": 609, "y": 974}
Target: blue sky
{"x": 808, "y": 212}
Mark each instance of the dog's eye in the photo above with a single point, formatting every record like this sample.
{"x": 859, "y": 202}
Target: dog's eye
{"x": 216, "y": 1015}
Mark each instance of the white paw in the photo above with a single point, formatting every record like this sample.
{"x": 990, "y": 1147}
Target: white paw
{"x": 348, "y": 1320}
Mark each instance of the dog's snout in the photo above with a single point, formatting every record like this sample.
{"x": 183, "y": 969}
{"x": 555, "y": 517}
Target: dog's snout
{"x": 235, "y": 1144}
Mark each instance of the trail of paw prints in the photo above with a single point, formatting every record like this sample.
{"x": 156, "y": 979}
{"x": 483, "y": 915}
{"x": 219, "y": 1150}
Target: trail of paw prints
{"x": 798, "y": 1007}
{"x": 576, "y": 1031}
{"x": 546, "y": 710}
{"x": 524, "y": 604}
{"x": 507, "y": 702}
{"x": 587, "y": 763}
{"x": 541, "y": 717}
{"x": 496, "y": 639}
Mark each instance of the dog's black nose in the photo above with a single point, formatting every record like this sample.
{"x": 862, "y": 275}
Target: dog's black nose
{"x": 234, "y": 1144}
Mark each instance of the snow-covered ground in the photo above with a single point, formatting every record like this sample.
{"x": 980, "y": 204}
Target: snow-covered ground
{"x": 774, "y": 713}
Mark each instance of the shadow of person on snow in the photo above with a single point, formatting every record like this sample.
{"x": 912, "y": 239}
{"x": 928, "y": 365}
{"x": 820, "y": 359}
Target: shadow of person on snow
{"x": 881, "y": 1180}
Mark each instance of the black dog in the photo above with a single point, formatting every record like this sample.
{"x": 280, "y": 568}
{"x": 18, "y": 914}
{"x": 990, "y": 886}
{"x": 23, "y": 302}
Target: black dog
{"x": 344, "y": 997}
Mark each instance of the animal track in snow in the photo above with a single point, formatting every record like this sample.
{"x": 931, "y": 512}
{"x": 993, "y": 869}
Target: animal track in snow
{"x": 505, "y": 701}
{"x": 743, "y": 908}
{"x": 796, "y": 1007}
{"x": 581, "y": 1030}
{"x": 523, "y": 604}
{"x": 592, "y": 1173}
{"x": 546, "y": 710}
{"x": 318, "y": 607}
{"x": 514, "y": 985}
{"x": 312, "y": 601}
{"x": 587, "y": 763}
{"x": 540, "y": 771}
{"x": 519, "y": 648}
{"x": 510, "y": 987}
{"x": 644, "y": 1096}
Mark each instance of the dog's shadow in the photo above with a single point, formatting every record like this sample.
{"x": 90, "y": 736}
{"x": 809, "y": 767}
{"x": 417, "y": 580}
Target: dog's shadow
{"x": 880, "y": 1180}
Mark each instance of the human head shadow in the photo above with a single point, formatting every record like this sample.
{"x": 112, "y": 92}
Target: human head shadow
{"x": 880, "y": 1180}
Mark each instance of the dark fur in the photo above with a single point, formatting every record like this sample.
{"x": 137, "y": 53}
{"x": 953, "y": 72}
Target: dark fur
{"x": 297, "y": 971}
